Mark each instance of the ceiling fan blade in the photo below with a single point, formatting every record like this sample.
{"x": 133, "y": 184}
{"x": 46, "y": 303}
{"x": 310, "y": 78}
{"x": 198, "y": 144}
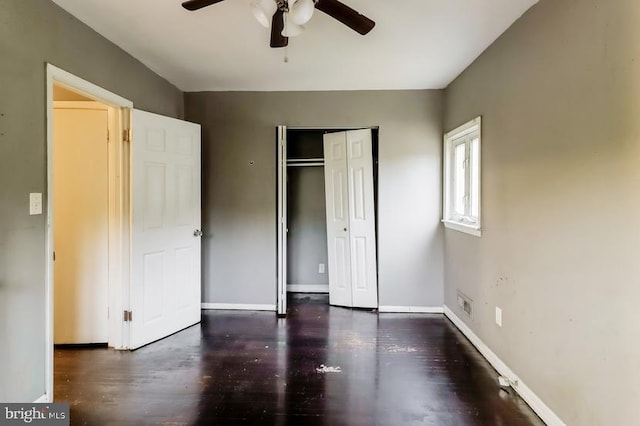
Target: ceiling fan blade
{"x": 198, "y": 4}
{"x": 343, "y": 13}
{"x": 277, "y": 25}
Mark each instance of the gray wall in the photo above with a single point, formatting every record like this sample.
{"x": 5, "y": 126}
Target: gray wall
{"x": 33, "y": 32}
{"x": 559, "y": 96}
{"x": 307, "y": 224}
{"x": 239, "y": 208}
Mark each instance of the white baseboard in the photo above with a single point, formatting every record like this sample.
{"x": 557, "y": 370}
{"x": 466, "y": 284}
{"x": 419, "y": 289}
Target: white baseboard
{"x": 540, "y": 408}
{"x": 412, "y": 309}
{"x": 43, "y": 399}
{"x": 237, "y": 307}
{"x": 308, "y": 288}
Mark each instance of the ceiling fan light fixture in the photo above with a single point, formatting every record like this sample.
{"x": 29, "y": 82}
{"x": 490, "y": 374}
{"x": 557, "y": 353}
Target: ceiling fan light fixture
{"x": 301, "y": 11}
{"x": 263, "y": 10}
{"x": 291, "y": 29}
{"x": 286, "y": 18}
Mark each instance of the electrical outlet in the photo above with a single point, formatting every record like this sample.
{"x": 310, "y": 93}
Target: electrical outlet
{"x": 498, "y": 317}
{"x": 35, "y": 203}
{"x": 321, "y": 268}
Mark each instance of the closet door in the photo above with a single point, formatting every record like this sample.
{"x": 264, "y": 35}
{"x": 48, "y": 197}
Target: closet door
{"x": 362, "y": 230}
{"x": 350, "y": 219}
{"x": 336, "y": 192}
{"x": 282, "y": 222}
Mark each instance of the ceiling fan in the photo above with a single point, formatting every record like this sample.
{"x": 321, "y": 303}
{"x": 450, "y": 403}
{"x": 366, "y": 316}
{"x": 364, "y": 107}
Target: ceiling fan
{"x": 287, "y": 17}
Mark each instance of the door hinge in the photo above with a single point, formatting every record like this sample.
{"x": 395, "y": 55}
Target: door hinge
{"x": 54, "y": 256}
{"x": 108, "y": 136}
{"x": 128, "y": 316}
{"x": 126, "y": 135}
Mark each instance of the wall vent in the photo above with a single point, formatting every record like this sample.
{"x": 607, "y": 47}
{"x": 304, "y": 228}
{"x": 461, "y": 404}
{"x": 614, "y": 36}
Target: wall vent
{"x": 465, "y": 303}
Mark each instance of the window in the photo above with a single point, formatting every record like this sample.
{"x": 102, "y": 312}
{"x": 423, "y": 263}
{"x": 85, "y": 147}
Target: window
{"x": 462, "y": 178}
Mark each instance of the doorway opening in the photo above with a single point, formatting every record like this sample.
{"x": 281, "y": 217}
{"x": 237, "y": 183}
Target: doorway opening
{"x": 82, "y": 128}
{"x": 87, "y": 215}
{"x": 311, "y": 234}
{"x": 152, "y": 236}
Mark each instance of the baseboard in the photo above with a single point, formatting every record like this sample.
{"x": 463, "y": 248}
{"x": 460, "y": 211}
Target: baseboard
{"x": 237, "y": 307}
{"x": 308, "y": 288}
{"x": 411, "y": 309}
{"x": 42, "y": 400}
{"x": 540, "y": 408}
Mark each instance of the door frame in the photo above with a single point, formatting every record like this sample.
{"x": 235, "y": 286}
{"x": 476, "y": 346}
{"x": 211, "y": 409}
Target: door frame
{"x": 281, "y": 205}
{"x": 118, "y": 212}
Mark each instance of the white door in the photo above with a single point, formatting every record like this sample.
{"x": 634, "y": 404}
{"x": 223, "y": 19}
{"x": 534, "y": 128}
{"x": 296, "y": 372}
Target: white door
{"x": 351, "y": 219}
{"x": 336, "y": 193}
{"x": 281, "y": 296}
{"x": 81, "y": 233}
{"x": 165, "y": 228}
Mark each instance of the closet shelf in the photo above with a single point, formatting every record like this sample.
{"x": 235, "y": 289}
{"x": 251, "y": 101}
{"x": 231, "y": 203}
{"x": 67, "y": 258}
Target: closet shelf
{"x": 305, "y": 162}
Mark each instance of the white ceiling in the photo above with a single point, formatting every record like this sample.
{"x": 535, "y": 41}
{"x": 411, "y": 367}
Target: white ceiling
{"x": 416, "y": 44}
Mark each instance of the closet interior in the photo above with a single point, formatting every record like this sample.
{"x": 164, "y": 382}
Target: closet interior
{"x": 307, "y": 255}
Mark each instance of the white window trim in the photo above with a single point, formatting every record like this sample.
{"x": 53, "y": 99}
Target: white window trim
{"x": 449, "y": 139}
{"x": 467, "y": 229}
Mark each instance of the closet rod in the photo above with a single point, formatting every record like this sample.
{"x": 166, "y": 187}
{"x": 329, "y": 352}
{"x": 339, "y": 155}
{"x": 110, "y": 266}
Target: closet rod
{"x": 304, "y": 160}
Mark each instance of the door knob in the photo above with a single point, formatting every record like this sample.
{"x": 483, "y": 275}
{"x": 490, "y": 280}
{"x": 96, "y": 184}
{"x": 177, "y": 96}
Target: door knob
{"x": 197, "y": 233}
{"x": 345, "y": 229}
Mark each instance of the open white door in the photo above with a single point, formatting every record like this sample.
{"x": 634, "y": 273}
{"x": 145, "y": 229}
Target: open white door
{"x": 281, "y": 296}
{"x": 165, "y": 229}
{"x": 351, "y": 219}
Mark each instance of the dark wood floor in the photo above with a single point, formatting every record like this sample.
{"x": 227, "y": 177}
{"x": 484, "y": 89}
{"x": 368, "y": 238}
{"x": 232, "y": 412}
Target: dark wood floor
{"x": 251, "y": 368}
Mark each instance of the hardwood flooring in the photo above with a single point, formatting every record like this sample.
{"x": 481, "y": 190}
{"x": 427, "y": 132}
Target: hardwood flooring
{"x": 252, "y": 368}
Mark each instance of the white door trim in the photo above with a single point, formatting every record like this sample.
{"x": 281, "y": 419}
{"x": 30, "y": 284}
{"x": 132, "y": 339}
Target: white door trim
{"x": 77, "y": 84}
{"x": 332, "y": 128}
{"x": 84, "y": 87}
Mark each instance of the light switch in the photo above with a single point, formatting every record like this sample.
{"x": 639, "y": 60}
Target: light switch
{"x": 498, "y": 317}
{"x": 35, "y": 203}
